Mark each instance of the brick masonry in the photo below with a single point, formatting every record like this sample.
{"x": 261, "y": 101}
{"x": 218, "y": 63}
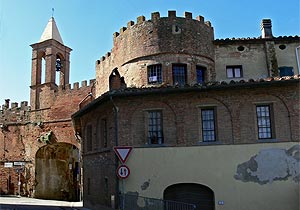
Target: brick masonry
{"x": 235, "y": 112}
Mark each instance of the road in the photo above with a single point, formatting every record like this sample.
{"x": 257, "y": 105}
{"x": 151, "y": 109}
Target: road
{"x": 23, "y": 203}
{"x": 35, "y": 207}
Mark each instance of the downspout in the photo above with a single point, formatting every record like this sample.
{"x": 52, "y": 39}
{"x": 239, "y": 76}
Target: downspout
{"x": 115, "y": 110}
{"x": 297, "y": 59}
{"x": 90, "y": 94}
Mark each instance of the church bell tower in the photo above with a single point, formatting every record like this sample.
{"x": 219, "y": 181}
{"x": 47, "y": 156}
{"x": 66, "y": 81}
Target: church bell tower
{"x": 50, "y": 67}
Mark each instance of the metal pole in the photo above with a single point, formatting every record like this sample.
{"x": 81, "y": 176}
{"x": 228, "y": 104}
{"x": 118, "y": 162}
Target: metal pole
{"x": 8, "y": 181}
{"x": 123, "y": 190}
{"x": 19, "y": 183}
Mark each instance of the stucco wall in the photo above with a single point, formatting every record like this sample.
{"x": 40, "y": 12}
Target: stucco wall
{"x": 287, "y": 56}
{"x": 252, "y": 59}
{"x": 244, "y": 177}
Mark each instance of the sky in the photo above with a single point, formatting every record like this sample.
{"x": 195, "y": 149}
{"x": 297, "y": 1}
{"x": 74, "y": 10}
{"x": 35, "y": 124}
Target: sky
{"x": 87, "y": 26}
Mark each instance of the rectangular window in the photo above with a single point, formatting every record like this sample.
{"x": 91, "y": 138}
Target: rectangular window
{"x": 286, "y": 71}
{"x": 264, "y": 125}
{"x": 155, "y": 129}
{"x": 234, "y": 71}
{"x": 155, "y": 74}
{"x": 200, "y": 70}
{"x": 208, "y": 124}
{"x": 89, "y": 138}
{"x": 179, "y": 74}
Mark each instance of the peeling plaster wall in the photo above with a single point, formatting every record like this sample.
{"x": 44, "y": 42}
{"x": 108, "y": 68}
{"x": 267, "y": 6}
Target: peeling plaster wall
{"x": 272, "y": 182}
{"x": 270, "y": 165}
{"x": 56, "y": 172}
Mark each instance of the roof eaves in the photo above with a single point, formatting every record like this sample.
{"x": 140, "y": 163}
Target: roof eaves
{"x": 272, "y": 81}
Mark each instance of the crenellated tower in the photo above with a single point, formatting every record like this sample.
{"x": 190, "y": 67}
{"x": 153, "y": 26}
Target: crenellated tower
{"x": 160, "y": 44}
{"x": 50, "y": 66}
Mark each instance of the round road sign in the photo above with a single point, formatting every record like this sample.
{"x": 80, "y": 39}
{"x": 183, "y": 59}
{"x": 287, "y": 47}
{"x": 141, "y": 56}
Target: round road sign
{"x": 123, "y": 171}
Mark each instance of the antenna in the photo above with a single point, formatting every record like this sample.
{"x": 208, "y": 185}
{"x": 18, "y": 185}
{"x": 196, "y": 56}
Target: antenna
{"x": 52, "y": 11}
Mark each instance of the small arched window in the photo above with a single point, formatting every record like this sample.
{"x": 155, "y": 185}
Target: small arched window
{"x": 114, "y": 80}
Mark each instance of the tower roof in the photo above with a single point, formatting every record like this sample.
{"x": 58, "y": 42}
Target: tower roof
{"x": 51, "y": 32}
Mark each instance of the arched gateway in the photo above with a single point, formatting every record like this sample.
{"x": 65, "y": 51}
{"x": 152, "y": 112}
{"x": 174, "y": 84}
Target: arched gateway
{"x": 200, "y": 195}
{"x": 57, "y": 172}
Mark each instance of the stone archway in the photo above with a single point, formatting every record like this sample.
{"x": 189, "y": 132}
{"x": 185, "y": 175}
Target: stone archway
{"x": 200, "y": 195}
{"x": 57, "y": 172}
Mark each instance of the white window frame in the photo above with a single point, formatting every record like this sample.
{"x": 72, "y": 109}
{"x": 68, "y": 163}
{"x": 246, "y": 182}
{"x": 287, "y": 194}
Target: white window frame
{"x": 234, "y": 72}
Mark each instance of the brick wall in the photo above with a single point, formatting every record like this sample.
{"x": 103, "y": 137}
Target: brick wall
{"x": 164, "y": 40}
{"x": 235, "y": 114}
{"x": 21, "y": 138}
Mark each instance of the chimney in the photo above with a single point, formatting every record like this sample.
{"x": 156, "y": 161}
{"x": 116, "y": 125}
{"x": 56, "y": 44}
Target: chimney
{"x": 266, "y": 28}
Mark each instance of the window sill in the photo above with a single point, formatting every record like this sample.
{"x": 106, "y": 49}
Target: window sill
{"x": 155, "y": 145}
{"x": 267, "y": 140}
{"x": 209, "y": 143}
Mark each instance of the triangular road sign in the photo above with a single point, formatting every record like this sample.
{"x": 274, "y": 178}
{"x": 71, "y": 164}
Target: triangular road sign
{"x": 122, "y": 152}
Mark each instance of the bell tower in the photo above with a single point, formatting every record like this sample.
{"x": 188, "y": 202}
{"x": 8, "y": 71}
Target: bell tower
{"x": 50, "y": 67}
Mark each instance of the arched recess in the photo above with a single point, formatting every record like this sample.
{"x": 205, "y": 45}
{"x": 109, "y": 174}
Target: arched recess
{"x": 280, "y": 121}
{"x": 59, "y": 70}
{"x": 139, "y": 122}
{"x": 41, "y": 68}
{"x": 116, "y": 81}
{"x": 57, "y": 172}
{"x": 197, "y": 194}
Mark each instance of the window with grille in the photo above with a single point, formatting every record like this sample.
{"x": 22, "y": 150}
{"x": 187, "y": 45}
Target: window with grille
{"x": 155, "y": 127}
{"x": 155, "y": 74}
{"x": 264, "y": 124}
{"x": 234, "y": 71}
{"x": 179, "y": 74}
{"x": 208, "y": 124}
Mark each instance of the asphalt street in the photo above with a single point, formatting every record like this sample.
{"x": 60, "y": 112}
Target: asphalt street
{"x": 23, "y": 203}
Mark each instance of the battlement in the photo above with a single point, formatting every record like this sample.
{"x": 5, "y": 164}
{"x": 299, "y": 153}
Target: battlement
{"x": 155, "y": 16}
{"x": 13, "y": 113}
{"x": 76, "y": 86}
{"x": 15, "y": 106}
{"x": 150, "y": 36}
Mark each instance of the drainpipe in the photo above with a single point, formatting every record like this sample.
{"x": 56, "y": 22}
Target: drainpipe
{"x": 90, "y": 94}
{"x": 115, "y": 110}
{"x": 297, "y": 59}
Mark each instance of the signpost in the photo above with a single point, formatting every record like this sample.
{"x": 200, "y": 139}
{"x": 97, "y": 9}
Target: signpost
{"x": 8, "y": 165}
{"x": 19, "y": 163}
{"x": 123, "y": 171}
{"x": 123, "y": 152}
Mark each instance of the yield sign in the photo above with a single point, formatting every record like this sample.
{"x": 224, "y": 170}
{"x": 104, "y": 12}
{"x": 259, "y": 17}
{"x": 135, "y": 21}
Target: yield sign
{"x": 122, "y": 152}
